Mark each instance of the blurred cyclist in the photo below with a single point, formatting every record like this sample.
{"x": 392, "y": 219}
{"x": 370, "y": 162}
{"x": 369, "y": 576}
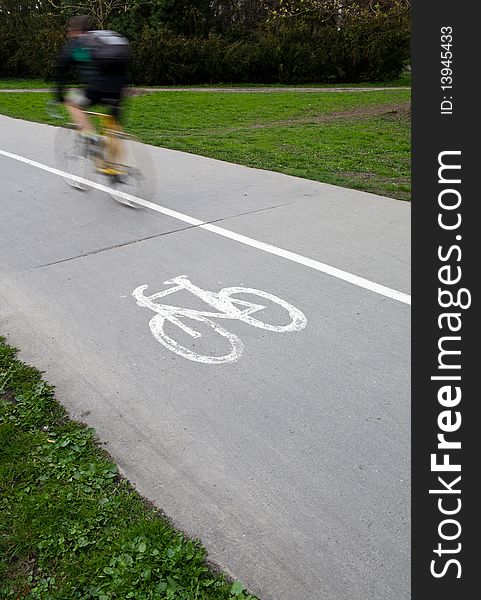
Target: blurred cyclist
{"x": 101, "y": 58}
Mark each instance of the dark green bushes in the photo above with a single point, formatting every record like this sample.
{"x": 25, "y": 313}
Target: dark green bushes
{"x": 194, "y": 47}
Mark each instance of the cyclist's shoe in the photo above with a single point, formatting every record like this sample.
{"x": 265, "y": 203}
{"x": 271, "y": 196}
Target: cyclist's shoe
{"x": 112, "y": 170}
{"x": 121, "y": 178}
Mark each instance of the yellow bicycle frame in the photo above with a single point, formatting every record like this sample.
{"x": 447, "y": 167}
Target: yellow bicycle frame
{"x": 112, "y": 163}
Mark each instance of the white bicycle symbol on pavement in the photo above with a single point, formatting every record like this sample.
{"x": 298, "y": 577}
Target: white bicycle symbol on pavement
{"x": 227, "y": 306}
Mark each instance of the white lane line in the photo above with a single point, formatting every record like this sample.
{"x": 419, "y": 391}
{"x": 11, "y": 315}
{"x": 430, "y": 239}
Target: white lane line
{"x": 243, "y": 239}
{"x": 103, "y": 188}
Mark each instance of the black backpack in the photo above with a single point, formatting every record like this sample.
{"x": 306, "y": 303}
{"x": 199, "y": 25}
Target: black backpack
{"x": 110, "y": 52}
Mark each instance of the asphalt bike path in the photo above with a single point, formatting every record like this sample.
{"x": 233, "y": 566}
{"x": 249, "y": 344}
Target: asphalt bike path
{"x": 280, "y": 436}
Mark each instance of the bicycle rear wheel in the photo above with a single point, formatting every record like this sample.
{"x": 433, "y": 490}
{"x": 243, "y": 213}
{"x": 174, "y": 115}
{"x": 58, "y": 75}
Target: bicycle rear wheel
{"x": 157, "y": 325}
{"x": 71, "y": 157}
{"x": 128, "y": 169}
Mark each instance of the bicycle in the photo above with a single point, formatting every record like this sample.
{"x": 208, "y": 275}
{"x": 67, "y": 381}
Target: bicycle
{"x": 116, "y": 157}
{"x": 227, "y": 307}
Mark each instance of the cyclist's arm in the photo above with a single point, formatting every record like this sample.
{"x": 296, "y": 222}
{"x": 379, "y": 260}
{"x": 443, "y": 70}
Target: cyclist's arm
{"x": 64, "y": 61}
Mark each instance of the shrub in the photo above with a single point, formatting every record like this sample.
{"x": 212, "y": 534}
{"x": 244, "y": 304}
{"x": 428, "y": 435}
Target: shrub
{"x": 366, "y": 47}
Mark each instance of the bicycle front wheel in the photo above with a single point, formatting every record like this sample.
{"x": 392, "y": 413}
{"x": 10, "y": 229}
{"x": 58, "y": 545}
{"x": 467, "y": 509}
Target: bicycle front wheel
{"x": 270, "y": 307}
{"x": 71, "y": 157}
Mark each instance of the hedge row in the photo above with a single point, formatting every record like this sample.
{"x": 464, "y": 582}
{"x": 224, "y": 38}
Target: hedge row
{"x": 330, "y": 56}
{"x": 359, "y": 53}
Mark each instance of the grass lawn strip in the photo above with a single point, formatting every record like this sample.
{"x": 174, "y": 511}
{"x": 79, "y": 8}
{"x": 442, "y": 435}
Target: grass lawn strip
{"x": 403, "y": 81}
{"x": 70, "y": 527}
{"x": 21, "y": 84}
{"x": 357, "y": 140}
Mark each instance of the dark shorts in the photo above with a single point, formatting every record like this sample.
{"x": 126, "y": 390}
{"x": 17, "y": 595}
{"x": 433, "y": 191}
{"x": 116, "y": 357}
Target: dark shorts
{"x": 89, "y": 96}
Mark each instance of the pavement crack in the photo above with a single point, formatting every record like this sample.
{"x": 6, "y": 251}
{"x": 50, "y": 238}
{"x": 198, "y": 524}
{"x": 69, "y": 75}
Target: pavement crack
{"x": 249, "y": 212}
{"x": 113, "y": 247}
{"x": 157, "y": 235}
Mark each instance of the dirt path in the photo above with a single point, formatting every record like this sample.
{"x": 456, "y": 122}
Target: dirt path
{"x": 400, "y": 110}
{"x": 235, "y": 90}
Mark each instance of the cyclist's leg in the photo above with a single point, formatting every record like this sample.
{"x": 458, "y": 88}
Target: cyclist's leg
{"x": 112, "y": 100}
{"x": 77, "y": 101}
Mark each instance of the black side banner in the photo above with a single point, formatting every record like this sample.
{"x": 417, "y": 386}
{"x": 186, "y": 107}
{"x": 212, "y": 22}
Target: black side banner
{"x": 446, "y": 237}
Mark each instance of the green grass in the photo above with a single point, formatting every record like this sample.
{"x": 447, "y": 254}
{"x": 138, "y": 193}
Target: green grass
{"x": 359, "y": 140}
{"x": 403, "y": 80}
{"x": 70, "y": 527}
{"x": 23, "y": 84}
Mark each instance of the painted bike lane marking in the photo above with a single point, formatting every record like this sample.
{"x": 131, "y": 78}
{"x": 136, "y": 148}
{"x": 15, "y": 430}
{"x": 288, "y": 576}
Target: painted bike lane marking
{"x": 243, "y": 239}
{"x": 227, "y": 307}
